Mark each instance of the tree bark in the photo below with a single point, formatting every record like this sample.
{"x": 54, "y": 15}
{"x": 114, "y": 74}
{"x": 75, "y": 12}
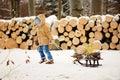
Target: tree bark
{"x": 31, "y": 8}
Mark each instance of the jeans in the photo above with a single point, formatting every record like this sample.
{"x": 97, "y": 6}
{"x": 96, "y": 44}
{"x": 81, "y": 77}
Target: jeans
{"x": 44, "y": 49}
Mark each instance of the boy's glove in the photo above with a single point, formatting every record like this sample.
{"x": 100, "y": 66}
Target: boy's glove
{"x": 51, "y": 41}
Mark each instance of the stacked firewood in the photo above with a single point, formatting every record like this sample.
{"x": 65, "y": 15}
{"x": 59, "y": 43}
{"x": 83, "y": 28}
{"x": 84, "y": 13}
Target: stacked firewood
{"x": 20, "y": 32}
{"x": 103, "y": 32}
{"x": 17, "y": 34}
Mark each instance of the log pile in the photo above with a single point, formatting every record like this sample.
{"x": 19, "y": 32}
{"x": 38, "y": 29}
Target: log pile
{"x": 17, "y": 34}
{"x": 103, "y": 32}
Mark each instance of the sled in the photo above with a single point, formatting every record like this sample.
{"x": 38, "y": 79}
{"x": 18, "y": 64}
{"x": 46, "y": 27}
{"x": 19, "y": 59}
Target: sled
{"x": 91, "y": 59}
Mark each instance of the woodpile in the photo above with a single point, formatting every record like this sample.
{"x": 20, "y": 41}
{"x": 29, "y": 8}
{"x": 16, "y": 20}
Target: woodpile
{"x": 103, "y": 32}
{"x": 17, "y": 34}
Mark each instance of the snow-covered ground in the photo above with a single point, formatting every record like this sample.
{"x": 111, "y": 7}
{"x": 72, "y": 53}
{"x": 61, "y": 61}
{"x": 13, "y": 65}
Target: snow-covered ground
{"x": 62, "y": 69}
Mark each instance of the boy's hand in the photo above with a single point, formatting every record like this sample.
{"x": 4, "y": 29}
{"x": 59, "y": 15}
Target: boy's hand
{"x": 51, "y": 41}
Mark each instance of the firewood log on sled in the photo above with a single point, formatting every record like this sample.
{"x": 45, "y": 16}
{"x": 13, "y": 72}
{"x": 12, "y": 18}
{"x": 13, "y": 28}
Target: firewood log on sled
{"x": 95, "y": 57}
{"x": 91, "y": 57}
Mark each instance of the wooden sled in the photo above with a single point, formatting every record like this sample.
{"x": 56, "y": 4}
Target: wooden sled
{"x": 91, "y": 59}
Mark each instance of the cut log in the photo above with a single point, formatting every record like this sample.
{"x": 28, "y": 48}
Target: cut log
{"x": 114, "y": 39}
{"x": 85, "y": 44}
{"x": 96, "y": 45}
{"x": 73, "y": 22}
{"x": 14, "y": 35}
{"x": 4, "y": 26}
{"x": 98, "y": 35}
{"x": 77, "y": 33}
{"x": 91, "y": 34}
{"x": 87, "y": 27}
{"x": 91, "y": 23}
{"x": 63, "y": 22}
{"x": 81, "y": 49}
{"x": 112, "y": 45}
{"x": 5, "y": 37}
{"x": 83, "y": 39}
{"x": 68, "y": 28}
{"x": 11, "y": 43}
{"x": 72, "y": 47}
{"x": 67, "y": 39}
{"x": 29, "y": 21}
{"x": 99, "y": 17}
{"x": 94, "y": 18}
{"x": 23, "y": 36}
{"x": 91, "y": 40}
{"x": 111, "y": 30}
{"x": 75, "y": 41}
{"x": 20, "y": 29}
{"x": 33, "y": 31}
{"x": 1, "y": 25}
{"x": 64, "y": 46}
{"x": 114, "y": 24}
{"x": 29, "y": 42}
{"x": 16, "y": 26}
{"x": 13, "y": 22}
{"x": 71, "y": 34}
{"x": 118, "y": 46}
{"x": 83, "y": 20}
{"x": 98, "y": 22}
{"x": 17, "y": 32}
{"x": 94, "y": 28}
{"x": 107, "y": 35}
{"x": 99, "y": 27}
{"x": 69, "y": 43}
{"x": 105, "y": 46}
{"x": 83, "y": 32}
{"x": 105, "y": 30}
{"x": 62, "y": 38}
{"x": 19, "y": 40}
{"x": 24, "y": 20}
{"x": 25, "y": 29}
{"x": 108, "y": 18}
{"x": 105, "y": 24}
{"x": 115, "y": 32}
{"x": 60, "y": 29}
{"x": 1, "y": 34}
{"x": 80, "y": 27}
{"x": 65, "y": 34}
{"x": 23, "y": 45}
{"x": 2, "y": 43}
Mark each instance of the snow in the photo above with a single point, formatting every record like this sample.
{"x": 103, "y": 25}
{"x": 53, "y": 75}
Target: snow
{"x": 49, "y": 19}
{"x": 62, "y": 69}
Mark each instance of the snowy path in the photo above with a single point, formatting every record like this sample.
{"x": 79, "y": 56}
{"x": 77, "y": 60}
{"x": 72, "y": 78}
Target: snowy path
{"x": 62, "y": 69}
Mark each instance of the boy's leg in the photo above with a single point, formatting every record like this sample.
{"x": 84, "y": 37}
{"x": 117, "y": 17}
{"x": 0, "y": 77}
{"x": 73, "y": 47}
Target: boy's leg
{"x": 49, "y": 55}
{"x": 42, "y": 55}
